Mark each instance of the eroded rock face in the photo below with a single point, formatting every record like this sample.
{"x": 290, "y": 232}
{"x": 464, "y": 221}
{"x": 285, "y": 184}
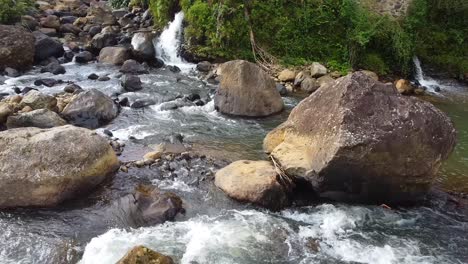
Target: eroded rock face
{"x": 43, "y": 167}
{"x": 16, "y": 48}
{"x": 360, "y": 138}
{"x": 90, "y": 109}
{"x": 141, "y": 254}
{"x": 254, "y": 182}
{"x": 246, "y": 90}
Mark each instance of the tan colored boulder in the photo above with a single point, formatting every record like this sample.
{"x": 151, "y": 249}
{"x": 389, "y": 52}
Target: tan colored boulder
{"x": 325, "y": 80}
{"x": 144, "y": 255}
{"x": 246, "y": 90}
{"x": 404, "y": 87}
{"x": 361, "y": 139}
{"x": 50, "y": 21}
{"x": 309, "y": 85}
{"x": 5, "y": 111}
{"x": 114, "y": 55}
{"x": 254, "y": 182}
{"x": 317, "y": 70}
{"x": 38, "y": 100}
{"x": 287, "y": 75}
{"x": 43, "y": 167}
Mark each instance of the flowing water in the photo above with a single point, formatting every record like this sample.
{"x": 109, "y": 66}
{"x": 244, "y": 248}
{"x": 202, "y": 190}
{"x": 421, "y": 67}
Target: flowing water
{"x": 215, "y": 229}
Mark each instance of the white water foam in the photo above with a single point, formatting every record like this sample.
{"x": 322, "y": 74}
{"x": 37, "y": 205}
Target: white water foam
{"x": 168, "y": 44}
{"x": 257, "y": 237}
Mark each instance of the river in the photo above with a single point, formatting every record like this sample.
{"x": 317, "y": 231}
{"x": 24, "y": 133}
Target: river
{"x": 215, "y": 229}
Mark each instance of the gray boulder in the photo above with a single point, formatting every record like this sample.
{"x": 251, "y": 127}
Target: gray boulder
{"x": 131, "y": 83}
{"x": 16, "y": 48}
{"x": 246, "y": 90}
{"x": 114, "y": 55}
{"x": 90, "y": 109}
{"x": 41, "y": 118}
{"x": 47, "y": 47}
{"x": 360, "y": 139}
{"x": 43, "y": 167}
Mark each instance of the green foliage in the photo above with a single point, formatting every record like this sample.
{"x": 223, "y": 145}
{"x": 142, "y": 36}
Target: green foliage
{"x": 11, "y": 10}
{"x": 119, "y": 3}
{"x": 163, "y": 11}
{"x": 375, "y": 62}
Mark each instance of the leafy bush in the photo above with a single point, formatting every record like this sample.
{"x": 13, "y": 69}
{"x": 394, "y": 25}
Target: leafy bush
{"x": 11, "y": 10}
{"x": 163, "y": 11}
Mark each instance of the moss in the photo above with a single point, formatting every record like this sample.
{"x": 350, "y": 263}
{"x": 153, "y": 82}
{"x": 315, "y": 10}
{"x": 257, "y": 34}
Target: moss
{"x": 11, "y": 10}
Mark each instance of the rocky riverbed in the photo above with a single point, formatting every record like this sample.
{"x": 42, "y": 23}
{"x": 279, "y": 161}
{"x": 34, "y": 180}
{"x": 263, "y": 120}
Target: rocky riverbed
{"x": 110, "y": 140}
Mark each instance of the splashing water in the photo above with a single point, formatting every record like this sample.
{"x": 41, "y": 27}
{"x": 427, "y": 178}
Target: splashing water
{"x": 167, "y": 47}
{"x": 423, "y": 80}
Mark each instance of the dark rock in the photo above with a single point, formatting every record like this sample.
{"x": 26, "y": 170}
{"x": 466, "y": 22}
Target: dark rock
{"x": 10, "y": 72}
{"x": 141, "y": 103}
{"x": 131, "y": 83}
{"x": 27, "y": 89}
{"x": 72, "y": 88}
{"x": 69, "y": 28}
{"x": 103, "y": 40}
{"x": 192, "y": 97}
{"x": 17, "y": 90}
{"x": 47, "y": 47}
{"x": 132, "y": 66}
{"x": 108, "y": 133}
{"x": 90, "y": 109}
{"x": 68, "y": 56}
{"x": 281, "y": 89}
{"x": 204, "y": 66}
{"x": 199, "y": 102}
{"x": 93, "y": 76}
{"x": 46, "y": 82}
{"x": 41, "y": 118}
{"x": 17, "y": 48}
{"x": 104, "y": 78}
{"x": 173, "y": 68}
{"x": 68, "y": 19}
{"x": 54, "y": 68}
{"x": 94, "y": 30}
{"x": 124, "y": 102}
{"x": 84, "y": 57}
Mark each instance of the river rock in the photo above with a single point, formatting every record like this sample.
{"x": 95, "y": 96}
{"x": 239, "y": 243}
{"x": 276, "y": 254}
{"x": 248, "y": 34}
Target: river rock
{"x": 317, "y": 70}
{"x": 50, "y": 21}
{"x": 29, "y": 22}
{"x": 54, "y": 67}
{"x": 70, "y": 28}
{"x": 41, "y": 118}
{"x": 204, "y": 66}
{"x": 5, "y": 110}
{"x": 325, "y": 80}
{"x": 300, "y": 77}
{"x": 141, "y": 254}
{"x": 10, "y": 72}
{"x": 38, "y": 100}
{"x": 114, "y": 55}
{"x": 246, "y": 90}
{"x": 371, "y": 74}
{"x": 309, "y": 85}
{"x": 47, "y": 47}
{"x": 149, "y": 206}
{"x": 143, "y": 47}
{"x": 133, "y": 67}
{"x": 55, "y": 164}
{"x": 103, "y": 40}
{"x": 131, "y": 83}
{"x": 361, "y": 139}
{"x": 287, "y": 75}
{"x": 404, "y": 87}
{"x": 84, "y": 57}
{"x": 16, "y": 48}
{"x": 90, "y": 109}
{"x": 254, "y": 182}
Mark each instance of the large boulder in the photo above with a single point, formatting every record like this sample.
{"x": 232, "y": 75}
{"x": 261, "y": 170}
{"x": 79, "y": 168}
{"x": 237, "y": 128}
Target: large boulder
{"x": 103, "y": 40}
{"x": 361, "y": 139}
{"x": 5, "y": 110}
{"x": 90, "y": 109}
{"x": 38, "y": 100}
{"x": 133, "y": 67}
{"x": 47, "y": 47}
{"x": 143, "y": 46}
{"x": 317, "y": 70}
{"x": 114, "y": 55}
{"x": 287, "y": 75}
{"x": 43, "y": 167}
{"x": 41, "y": 118}
{"x": 246, "y": 90}
{"x": 254, "y": 182}
{"x": 131, "y": 83}
{"x": 16, "y": 48}
{"x": 141, "y": 254}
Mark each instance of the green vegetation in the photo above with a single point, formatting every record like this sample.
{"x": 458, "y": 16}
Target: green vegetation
{"x": 340, "y": 33}
{"x": 11, "y": 10}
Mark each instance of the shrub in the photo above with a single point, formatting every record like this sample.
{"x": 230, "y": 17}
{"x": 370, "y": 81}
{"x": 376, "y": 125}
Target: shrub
{"x": 11, "y": 10}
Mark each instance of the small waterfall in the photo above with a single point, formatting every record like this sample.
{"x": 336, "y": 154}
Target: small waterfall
{"x": 168, "y": 44}
{"x": 425, "y": 81}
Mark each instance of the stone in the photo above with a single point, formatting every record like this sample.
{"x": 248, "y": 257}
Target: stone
{"x": 16, "y": 48}
{"x": 131, "y": 83}
{"x": 253, "y": 182}
{"x": 133, "y": 67}
{"x": 103, "y": 40}
{"x": 173, "y": 68}
{"x": 46, "y": 47}
{"x": 246, "y": 90}
{"x": 54, "y": 68}
{"x": 149, "y": 206}
{"x": 281, "y": 89}
{"x": 90, "y": 109}
{"x": 68, "y": 19}
{"x": 84, "y": 57}
{"x": 317, "y": 70}
{"x": 41, "y": 118}
{"x": 29, "y": 22}
{"x": 50, "y": 21}
{"x": 309, "y": 85}
{"x": 93, "y": 76}
{"x": 47, "y": 172}
{"x": 114, "y": 55}
{"x": 143, "y": 47}
{"x": 10, "y": 72}
{"x": 287, "y": 75}
{"x": 72, "y": 88}
{"x": 141, "y": 103}
{"x": 371, "y": 74}
{"x": 104, "y": 78}
{"x": 325, "y": 80}
{"x": 94, "y": 30}
{"x": 38, "y": 100}
{"x": 5, "y": 110}
{"x": 204, "y": 66}
{"x": 51, "y": 32}
{"x": 141, "y": 254}
{"x": 46, "y": 82}
{"x": 361, "y": 140}
{"x": 300, "y": 77}
{"x": 404, "y": 87}
{"x": 70, "y": 28}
